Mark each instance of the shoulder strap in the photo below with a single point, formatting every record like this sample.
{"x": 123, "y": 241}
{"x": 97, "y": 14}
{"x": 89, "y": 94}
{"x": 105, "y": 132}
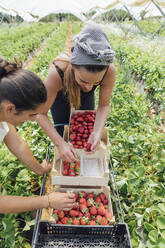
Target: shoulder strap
{"x": 59, "y": 70}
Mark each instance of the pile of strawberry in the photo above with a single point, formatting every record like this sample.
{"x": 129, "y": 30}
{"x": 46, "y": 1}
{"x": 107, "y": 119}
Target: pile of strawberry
{"x": 71, "y": 169}
{"x": 81, "y": 126}
{"x": 89, "y": 209}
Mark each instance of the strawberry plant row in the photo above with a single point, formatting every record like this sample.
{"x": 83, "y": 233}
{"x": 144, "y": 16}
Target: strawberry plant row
{"x": 53, "y": 47}
{"x": 146, "y": 67}
{"x": 138, "y": 153}
{"x": 19, "y": 41}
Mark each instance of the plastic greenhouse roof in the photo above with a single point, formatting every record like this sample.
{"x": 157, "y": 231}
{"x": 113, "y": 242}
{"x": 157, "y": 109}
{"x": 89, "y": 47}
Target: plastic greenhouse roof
{"x": 42, "y": 8}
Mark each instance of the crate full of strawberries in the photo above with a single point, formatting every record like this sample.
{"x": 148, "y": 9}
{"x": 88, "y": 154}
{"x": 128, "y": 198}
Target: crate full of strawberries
{"x": 92, "y": 207}
{"x": 80, "y": 127}
{"x": 70, "y": 169}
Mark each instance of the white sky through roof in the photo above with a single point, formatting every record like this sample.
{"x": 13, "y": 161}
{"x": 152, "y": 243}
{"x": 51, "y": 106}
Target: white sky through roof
{"x": 42, "y": 8}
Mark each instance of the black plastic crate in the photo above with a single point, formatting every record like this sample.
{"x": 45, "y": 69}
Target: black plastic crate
{"x": 68, "y": 236}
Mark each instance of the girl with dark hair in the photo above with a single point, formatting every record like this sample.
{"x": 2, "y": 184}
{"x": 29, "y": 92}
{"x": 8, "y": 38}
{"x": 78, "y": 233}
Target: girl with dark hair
{"x": 71, "y": 82}
{"x": 22, "y": 97}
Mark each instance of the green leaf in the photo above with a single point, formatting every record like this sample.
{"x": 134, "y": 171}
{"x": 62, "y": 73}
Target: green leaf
{"x": 153, "y": 236}
{"x": 141, "y": 171}
{"x": 161, "y": 222}
{"x": 163, "y": 234}
{"x": 148, "y": 227}
{"x": 162, "y": 207}
{"x": 28, "y": 225}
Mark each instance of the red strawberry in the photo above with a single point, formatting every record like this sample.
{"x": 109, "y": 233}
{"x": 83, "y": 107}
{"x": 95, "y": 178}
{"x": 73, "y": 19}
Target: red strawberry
{"x": 87, "y": 215}
{"x": 104, "y": 221}
{"x": 90, "y": 195}
{"x": 65, "y": 172}
{"x": 60, "y": 214}
{"x": 59, "y": 222}
{"x": 79, "y": 142}
{"x": 76, "y": 196}
{"x": 102, "y": 196}
{"x": 101, "y": 210}
{"x": 88, "y": 146}
{"x": 72, "y": 165}
{"x": 90, "y": 202}
{"x": 80, "y": 214}
{"x": 64, "y": 220}
{"x": 84, "y": 221}
{"x": 72, "y": 136}
{"x": 93, "y": 210}
{"x": 80, "y": 119}
{"x": 92, "y": 223}
{"x": 83, "y": 194}
{"x": 82, "y": 201}
{"x": 76, "y": 222}
{"x": 72, "y": 121}
{"x": 97, "y": 199}
{"x": 73, "y": 213}
{"x": 66, "y": 166}
{"x": 105, "y": 202}
{"x": 76, "y": 206}
{"x": 71, "y": 172}
{"x": 83, "y": 208}
{"x": 98, "y": 219}
{"x": 77, "y": 173}
{"x": 108, "y": 215}
{"x": 81, "y": 130}
{"x": 100, "y": 204}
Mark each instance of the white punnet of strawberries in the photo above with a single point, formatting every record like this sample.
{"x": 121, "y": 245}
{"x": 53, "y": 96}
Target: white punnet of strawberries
{"x": 89, "y": 209}
{"x": 81, "y": 126}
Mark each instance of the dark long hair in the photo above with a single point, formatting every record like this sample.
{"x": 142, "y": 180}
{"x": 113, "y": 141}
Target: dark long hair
{"x": 21, "y": 87}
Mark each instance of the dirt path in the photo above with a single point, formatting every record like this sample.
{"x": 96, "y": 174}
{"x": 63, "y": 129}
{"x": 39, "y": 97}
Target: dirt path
{"x": 33, "y": 55}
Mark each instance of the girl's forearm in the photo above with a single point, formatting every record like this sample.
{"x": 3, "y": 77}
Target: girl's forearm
{"x": 15, "y": 204}
{"x": 47, "y": 126}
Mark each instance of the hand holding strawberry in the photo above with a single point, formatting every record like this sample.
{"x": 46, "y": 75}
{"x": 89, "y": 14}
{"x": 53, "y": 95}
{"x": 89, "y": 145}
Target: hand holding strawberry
{"x": 93, "y": 142}
{"x": 61, "y": 201}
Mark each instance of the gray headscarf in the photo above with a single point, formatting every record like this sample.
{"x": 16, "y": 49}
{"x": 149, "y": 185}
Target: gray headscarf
{"x": 92, "y": 47}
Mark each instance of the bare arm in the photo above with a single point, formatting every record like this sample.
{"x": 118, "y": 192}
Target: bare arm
{"x": 16, "y": 204}
{"x": 53, "y": 85}
{"x": 21, "y": 150}
{"x": 103, "y": 108}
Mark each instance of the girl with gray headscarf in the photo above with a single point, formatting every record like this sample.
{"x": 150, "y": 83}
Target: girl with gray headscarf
{"x": 71, "y": 82}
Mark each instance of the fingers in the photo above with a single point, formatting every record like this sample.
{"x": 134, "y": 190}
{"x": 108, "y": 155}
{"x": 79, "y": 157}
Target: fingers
{"x": 71, "y": 195}
{"x": 70, "y": 155}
